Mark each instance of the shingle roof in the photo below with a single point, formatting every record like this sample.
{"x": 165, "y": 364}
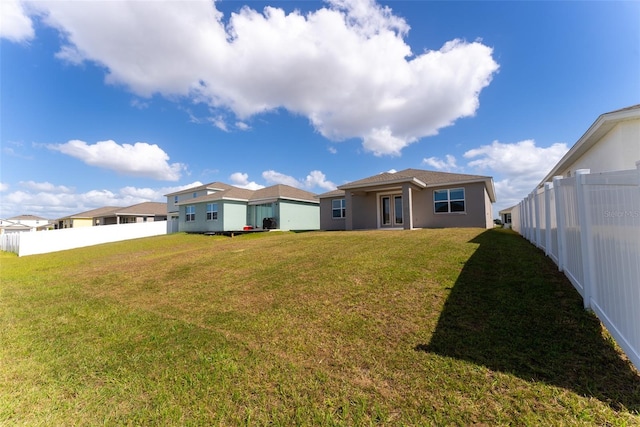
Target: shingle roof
{"x": 279, "y": 191}
{"x": 211, "y": 186}
{"x": 94, "y": 212}
{"x": 145, "y": 208}
{"x": 282, "y": 191}
{"x": 421, "y": 178}
{"x": 429, "y": 178}
{"x": 333, "y": 193}
{"x": 27, "y": 217}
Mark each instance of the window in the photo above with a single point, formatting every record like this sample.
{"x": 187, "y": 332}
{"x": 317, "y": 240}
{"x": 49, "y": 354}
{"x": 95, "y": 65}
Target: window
{"x": 212, "y": 211}
{"x": 195, "y": 195}
{"x": 449, "y": 201}
{"x": 190, "y": 212}
{"x": 175, "y": 199}
{"x": 339, "y": 208}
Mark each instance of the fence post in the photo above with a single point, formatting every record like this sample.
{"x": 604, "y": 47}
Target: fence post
{"x": 536, "y": 216}
{"x": 562, "y": 244}
{"x": 548, "y": 187}
{"x": 585, "y": 236}
{"x": 529, "y": 219}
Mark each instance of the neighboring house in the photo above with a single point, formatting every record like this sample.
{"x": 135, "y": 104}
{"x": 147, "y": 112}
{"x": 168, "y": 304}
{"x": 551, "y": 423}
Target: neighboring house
{"x": 505, "y": 215}
{"x": 409, "y": 199}
{"x": 84, "y": 219}
{"x": 219, "y": 207}
{"x": 612, "y": 143}
{"x": 22, "y": 223}
{"x": 173, "y": 210}
{"x": 142, "y": 212}
{"x": 109, "y": 215}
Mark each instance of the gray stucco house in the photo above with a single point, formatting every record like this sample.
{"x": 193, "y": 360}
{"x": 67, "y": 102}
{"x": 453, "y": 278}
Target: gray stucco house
{"x": 411, "y": 198}
{"x": 220, "y": 207}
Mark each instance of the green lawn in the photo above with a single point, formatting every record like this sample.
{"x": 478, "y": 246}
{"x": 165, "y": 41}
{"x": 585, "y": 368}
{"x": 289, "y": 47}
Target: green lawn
{"x": 423, "y": 327}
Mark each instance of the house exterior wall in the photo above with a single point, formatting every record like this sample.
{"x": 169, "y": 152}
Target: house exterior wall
{"x": 232, "y": 214}
{"x": 327, "y": 222}
{"x": 488, "y": 209}
{"x": 476, "y": 202}
{"x": 364, "y": 210}
{"x": 78, "y": 222}
{"x": 619, "y": 149}
{"x": 184, "y": 196}
{"x": 298, "y": 216}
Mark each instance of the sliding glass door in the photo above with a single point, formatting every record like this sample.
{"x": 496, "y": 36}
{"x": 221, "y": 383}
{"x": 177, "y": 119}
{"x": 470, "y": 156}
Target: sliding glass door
{"x": 391, "y": 214}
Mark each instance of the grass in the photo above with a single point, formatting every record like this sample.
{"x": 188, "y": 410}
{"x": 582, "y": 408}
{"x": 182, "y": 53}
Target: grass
{"x": 427, "y": 327}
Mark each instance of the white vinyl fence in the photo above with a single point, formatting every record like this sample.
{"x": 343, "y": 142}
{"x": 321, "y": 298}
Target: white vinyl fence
{"x": 40, "y": 242}
{"x": 589, "y": 224}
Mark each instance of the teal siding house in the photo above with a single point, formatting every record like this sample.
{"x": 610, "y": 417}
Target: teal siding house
{"x": 219, "y": 207}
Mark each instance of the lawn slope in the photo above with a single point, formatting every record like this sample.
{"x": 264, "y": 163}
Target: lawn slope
{"x": 423, "y": 327}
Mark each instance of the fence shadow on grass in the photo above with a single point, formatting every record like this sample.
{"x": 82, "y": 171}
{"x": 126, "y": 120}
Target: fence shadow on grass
{"x": 512, "y": 311}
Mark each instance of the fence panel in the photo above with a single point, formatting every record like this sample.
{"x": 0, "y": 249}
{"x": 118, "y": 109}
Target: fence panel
{"x": 572, "y": 266}
{"x": 613, "y": 202}
{"x": 541, "y": 222}
{"x": 10, "y": 242}
{"x": 69, "y": 238}
{"x": 552, "y": 224}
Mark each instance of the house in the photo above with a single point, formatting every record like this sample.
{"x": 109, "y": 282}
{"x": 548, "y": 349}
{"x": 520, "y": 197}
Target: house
{"x": 173, "y": 210}
{"x": 219, "y": 207}
{"x": 408, "y": 199}
{"x": 22, "y": 223}
{"x": 141, "y": 212}
{"x": 612, "y": 143}
{"x": 506, "y": 215}
{"x": 108, "y": 215}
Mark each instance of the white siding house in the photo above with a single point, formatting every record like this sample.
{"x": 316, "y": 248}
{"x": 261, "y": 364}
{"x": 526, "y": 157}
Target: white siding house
{"x": 612, "y": 143}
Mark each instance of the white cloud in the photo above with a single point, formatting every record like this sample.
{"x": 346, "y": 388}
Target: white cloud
{"x": 242, "y": 125}
{"x": 315, "y": 179}
{"x": 517, "y": 167}
{"x": 448, "y": 164}
{"x": 15, "y": 24}
{"x": 318, "y": 179}
{"x": 45, "y": 187}
{"x": 4, "y": 186}
{"x": 56, "y": 201}
{"x": 522, "y": 158}
{"x": 332, "y": 150}
{"x": 241, "y": 180}
{"x": 272, "y": 177}
{"x": 139, "y": 159}
{"x": 346, "y": 66}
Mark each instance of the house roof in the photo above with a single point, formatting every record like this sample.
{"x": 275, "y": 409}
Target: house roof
{"x": 211, "y": 186}
{"x": 418, "y": 177}
{"x": 142, "y": 209}
{"x": 105, "y": 210}
{"x": 333, "y": 193}
{"x": 26, "y": 218}
{"x": 145, "y": 208}
{"x": 282, "y": 191}
{"x": 272, "y": 193}
{"x": 603, "y": 124}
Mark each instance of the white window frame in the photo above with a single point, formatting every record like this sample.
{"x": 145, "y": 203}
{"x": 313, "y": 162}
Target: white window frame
{"x": 190, "y": 213}
{"x": 212, "y": 211}
{"x": 342, "y": 208}
{"x": 449, "y": 200}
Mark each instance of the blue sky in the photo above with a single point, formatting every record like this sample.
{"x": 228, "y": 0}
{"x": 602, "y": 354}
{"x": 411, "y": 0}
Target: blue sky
{"x": 116, "y": 103}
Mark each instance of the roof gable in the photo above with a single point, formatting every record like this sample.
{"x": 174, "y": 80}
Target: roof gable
{"x": 421, "y": 178}
{"x": 272, "y": 193}
{"x": 219, "y": 186}
{"x": 145, "y": 208}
